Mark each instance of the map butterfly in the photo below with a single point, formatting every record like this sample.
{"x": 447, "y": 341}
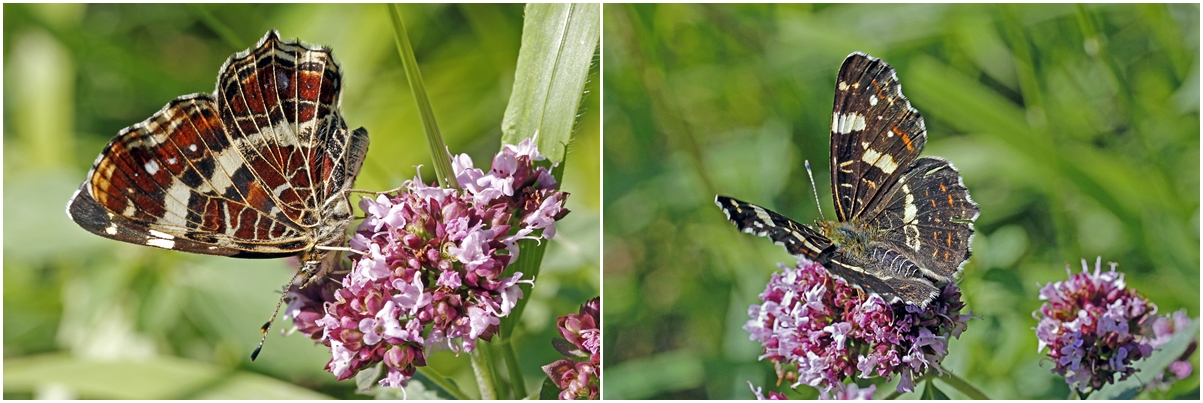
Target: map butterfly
{"x": 258, "y": 169}
{"x": 905, "y": 223}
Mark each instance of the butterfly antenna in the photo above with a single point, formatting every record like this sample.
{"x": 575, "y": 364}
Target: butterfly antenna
{"x": 268, "y": 325}
{"x": 814, "y": 190}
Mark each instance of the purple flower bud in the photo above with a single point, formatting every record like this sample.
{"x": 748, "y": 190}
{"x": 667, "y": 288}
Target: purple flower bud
{"x": 577, "y": 379}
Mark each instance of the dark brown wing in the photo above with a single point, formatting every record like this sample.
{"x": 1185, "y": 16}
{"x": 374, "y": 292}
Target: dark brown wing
{"x": 798, "y": 239}
{"x": 875, "y": 134}
{"x": 927, "y": 217}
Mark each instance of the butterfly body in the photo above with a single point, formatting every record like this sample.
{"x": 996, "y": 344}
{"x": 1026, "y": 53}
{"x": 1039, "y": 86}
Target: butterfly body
{"x": 904, "y": 223}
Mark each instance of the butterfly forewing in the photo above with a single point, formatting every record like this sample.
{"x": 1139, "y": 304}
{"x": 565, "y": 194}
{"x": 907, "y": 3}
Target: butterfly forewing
{"x": 875, "y": 133}
{"x": 798, "y": 239}
{"x": 257, "y": 169}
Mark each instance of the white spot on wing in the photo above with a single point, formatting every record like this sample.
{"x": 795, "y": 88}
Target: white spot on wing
{"x": 909, "y": 212}
{"x": 764, "y": 216}
{"x": 152, "y": 167}
{"x": 176, "y": 204}
{"x": 847, "y": 123}
{"x": 162, "y": 243}
{"x": 884, "y": 162}
{"x": 161, "y": 234}
{"x": 872, "y": 101}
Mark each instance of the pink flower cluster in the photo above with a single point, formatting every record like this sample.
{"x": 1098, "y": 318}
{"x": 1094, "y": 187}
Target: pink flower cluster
{"x": 430, "y": 272}
{"x": 1164, "y": 328}
{"x": 582, "y": 339}
{"x": 850, "y": 392}
{"x": 1095, "y": 328}
{"x": 829, "y": 331}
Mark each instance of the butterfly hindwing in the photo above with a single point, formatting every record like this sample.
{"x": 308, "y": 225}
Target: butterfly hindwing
{"x": 883, "y": 271}
{"x": 928, "y": 218}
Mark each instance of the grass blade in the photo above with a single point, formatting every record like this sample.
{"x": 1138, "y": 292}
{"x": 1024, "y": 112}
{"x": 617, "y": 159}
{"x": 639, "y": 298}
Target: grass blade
{"x": 438, "y": 151}
{"x": 558, "y": 44}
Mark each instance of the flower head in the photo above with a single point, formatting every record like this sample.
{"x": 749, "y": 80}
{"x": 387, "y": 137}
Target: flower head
{"x": 1094, "y": 327}
{"x": 772, "y": 395}
{"x": 429, "y": 272}
{"x": 829, "y": 331}
{"x": 582, "y": 339}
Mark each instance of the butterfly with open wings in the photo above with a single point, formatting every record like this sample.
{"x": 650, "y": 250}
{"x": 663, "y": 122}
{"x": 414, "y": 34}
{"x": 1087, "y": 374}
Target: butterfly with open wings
{"x": 905, "y": 223}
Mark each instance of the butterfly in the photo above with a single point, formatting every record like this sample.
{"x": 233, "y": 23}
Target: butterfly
{"x": 258, "y": 169}
{"x": 905, "y": 223}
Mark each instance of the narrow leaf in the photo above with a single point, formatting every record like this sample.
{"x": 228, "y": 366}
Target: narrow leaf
{"x": 558, "y": 45}
{"x": 448, "y": 385}
{"x": 438, "y": 151}
{"x": 931, "y": 392}
{"x": 1149, "y": 367}
{"x": 366, "y": 379}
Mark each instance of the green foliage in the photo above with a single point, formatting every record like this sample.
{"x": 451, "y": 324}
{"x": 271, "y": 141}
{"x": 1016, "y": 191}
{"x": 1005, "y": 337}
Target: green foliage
{"x": 1076, "y": 129}
{"x": 76, "y": 74}
{"x": 558, "y": 44}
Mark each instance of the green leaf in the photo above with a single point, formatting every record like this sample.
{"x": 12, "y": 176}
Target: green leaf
{"x": 448, "y": 385}
{"x": 558, "y": 45}
{"x": 549, "y": 391}
{"x": 155, "y": 378}
{"x": 366, "y": 379}
{"x": 931, "y": 392}
{"x": 1149, "y": 367}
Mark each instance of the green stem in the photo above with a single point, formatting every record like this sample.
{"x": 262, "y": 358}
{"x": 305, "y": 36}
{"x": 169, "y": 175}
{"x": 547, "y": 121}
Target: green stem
{"x": 442, "y": 382}
{"x": 893, "y": 395}
{"x": 960, "y": 384}
{"x": 485, "y": 378}
{"x": 511, "y": 365}
{"x": 438, "y": 151}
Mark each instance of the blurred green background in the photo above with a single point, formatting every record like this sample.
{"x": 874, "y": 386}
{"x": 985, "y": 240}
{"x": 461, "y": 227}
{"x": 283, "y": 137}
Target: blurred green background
{"x": 93, "y": 318}
{"x": 1076, "y": 129}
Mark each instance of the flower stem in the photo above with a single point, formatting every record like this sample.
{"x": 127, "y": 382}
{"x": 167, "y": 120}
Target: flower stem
{"x": 964, "y": 387}
{"x": 511, "y": 365}
{"x": 438, "y": 151}
{"x": 485, "y": 379}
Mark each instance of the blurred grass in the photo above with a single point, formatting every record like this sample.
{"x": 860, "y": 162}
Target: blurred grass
{"x": 76, "y": 74}
{"x": 1076, "y": 129}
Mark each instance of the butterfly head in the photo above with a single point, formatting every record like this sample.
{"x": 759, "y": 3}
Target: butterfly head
{"x": 845, "y": 236}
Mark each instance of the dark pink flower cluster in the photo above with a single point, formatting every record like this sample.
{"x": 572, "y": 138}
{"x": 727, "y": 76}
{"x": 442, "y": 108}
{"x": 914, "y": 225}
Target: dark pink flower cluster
{"x": 430, "y": 272}
{"x": 849, "y": 392}
{"x": 1095, "y": 328}
{"x": 582, "y": 339}
{"x": 829, "y": 331}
